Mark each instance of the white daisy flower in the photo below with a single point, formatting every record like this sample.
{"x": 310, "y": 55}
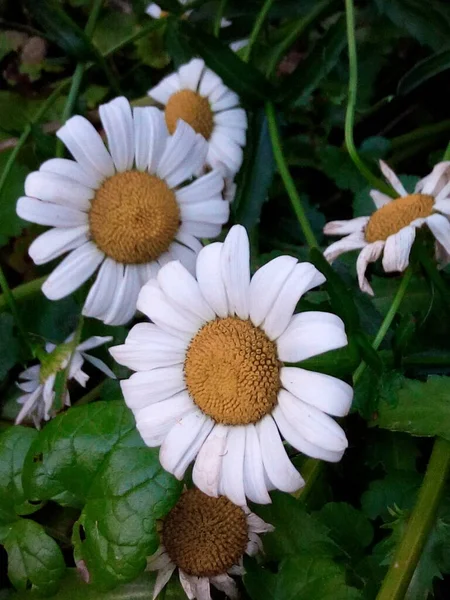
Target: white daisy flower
{"x": 198, "y": 96}
{"x": 391, "y": 229}
{"x": 39, "y": 380}
{"x": 125, "y": 212}
{"x": 206, "y": 539}
{"x": 211, "y": 383}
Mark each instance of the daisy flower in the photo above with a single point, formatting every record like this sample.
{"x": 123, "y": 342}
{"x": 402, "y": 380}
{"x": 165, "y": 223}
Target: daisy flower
{"x": 211, "y": 383}
{"x": 391, "y": 229}
{"x": 198, "y": 96}
{"x": 206, "y": 539}
{"x": 39, "y": 380}
{"x": 125, "y": 212}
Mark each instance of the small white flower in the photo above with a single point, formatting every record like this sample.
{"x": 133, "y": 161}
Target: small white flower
{"x": 206, "y": 539}
{"x": 125, "y": 212}
{"x": 211, "y": 382}
{"x": 39, "y": 380}
{"x": 198, "y": 96}
{"x": 391, "y": 229}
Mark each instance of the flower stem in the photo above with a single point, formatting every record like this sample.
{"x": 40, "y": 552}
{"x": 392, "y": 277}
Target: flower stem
{"x": 351, "y": 103}
{"x": 287, "y": 178}
{"x": 419, "y": 524}
{"x": 219, "y": 15}
{"x": 387, "y": 321}
{"x": 21, "y": 292}
{"x": 11, "y": 303}
{"x": 256, "y": 29}
{"x": 447, "y": 153}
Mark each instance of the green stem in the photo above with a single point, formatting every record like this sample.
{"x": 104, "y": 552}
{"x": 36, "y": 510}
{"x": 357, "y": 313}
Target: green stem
{"x": 91, "y": 395}
{"x": 287, "y": 178}
{"x": 422, "y": 133}
{"x": 351, "y": 104}
{"x": 10, "y": 301}
{"x": 311, "y": 470}
{"x": 256, "y": 29}
{"x": 447, "y": 153}
{"x": 419, "y": 524}
{"x": 21, "y": 292}
{"x": 387, "y": 321}
{"x": 219, "y": 16}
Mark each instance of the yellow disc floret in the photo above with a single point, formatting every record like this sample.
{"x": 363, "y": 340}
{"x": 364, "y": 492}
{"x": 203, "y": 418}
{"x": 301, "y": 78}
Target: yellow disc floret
{"x": 191, "y": 108}
{"x": 232, "y": 371}
{"x": 205, "y": 536}
{"x": 396, "y": 215}
{"x": 134, "y": 217}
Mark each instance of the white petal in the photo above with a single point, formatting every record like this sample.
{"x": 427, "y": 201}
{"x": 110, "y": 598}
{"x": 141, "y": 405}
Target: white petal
{"x": 123, "y": 305}
{"x": 150, "y": 137}
{"x": 266, "y": 285}
{"x": 72, "y": 170}
{"x": 313, "y": 424}
{"x": 236, "y": 118}
{"x": 214, "y": 210}
{"x": 222, "y": 150}
{"x": 227, "y": 585}
{"x": 254, "y": 545}
{"x": 210, "y": 280}
{"x": 162, "y": 578}
{"x": 54, "y": 242}
{"x": 233, "y": 133}
{"x": 208, "y": 465}
{"x": 297, "y": 440}
{"x": 94, "y": 342}
{"x": 203, "y": 589}
{"x": 232, "y": 476}
{"x": 162, "y": 350}
{"x": 28, "y": 386}
{"x": 226, "y": 101}
{"x": 255, "y": 486}
{"x": 211, "y": 82}
{"x": 155, "y": 421}
{"x": 207, "y": 186}
{"x": 117, "y": 121}
{"x": 100, "y": 365}
{"x": 303, "y": 278}
{"x": 45, "y": 213}
{"x": 158, "y": 307}
{"x": 397, "y": 249}
{"x": 368, "y": 254}
{"x": 440, "y": 228}
{"x": 235, "y": 269}
{"x": 183, "y": 442}
{"x": 148, "y": 387}
{"x": 379, "y": 198}
{"x": 189, "y": 241}
{"x": 345, "y": 227}
{"x": 165, "y": 88}
{"x": 184, "y": 255}
{"x": 279, "y": 468}
{"x": 186, "y": 584}
{"x": 32, "y": 373}
{"x": 87, "y": 147}
{"x": 191, "y": 73}
{"x": 443, "y": 205}
{"x": 153, "y": 10}
{"x": 50, "y": 187}
{"x": 183, "y": 290}
{"x": 326, "y": 393}
{"x": 158, "y": 561}
{"x": 434, "y": 182}
{"x": 201, "y": 230}
{"x": 73, "y": 271}
{"x": 257, "y": 525}
{"x": 98, "y": 301}
{"x": 29, "y": 404}
{"x": 393, "y": 179}
{"x": 309, "y": 334}
{"x": 355, "y": 241}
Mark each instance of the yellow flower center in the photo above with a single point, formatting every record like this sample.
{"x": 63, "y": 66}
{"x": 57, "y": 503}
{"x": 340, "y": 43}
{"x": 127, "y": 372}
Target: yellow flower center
{"x": 134, "y": 217}
{"x": 396, "y": 215}
{"x": 191, "y": 108}
{"x": 232, "y": 371}
{"x": 205, "y": 536}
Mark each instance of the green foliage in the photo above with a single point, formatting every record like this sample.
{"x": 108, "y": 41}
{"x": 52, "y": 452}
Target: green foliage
{"x": 396, "y": 489}
{"x": 348, "y": 527}
{"x": 11, "y": 225}
{"x": 9, "y": 345}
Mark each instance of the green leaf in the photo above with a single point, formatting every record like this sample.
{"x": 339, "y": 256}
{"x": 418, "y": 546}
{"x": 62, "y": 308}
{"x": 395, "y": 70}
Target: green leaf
{"x": 11, "y": 225}
{"x": 337, "y": 164}
{"x": 244, "y": 79}
{"x": 397, "y": 489}
{"x": 117, "y": 528}
{"x": 14, "y": 445}
{"x": 33, "y": 558}
{"x": 391, "y": 451}
{"x": 321, "y": 60}
{"x": 348, "y": 527}
{"x": 111, "y": 29}
{"x": 303, "y": 576}
{"x": 150, "y": 49}
{"x": 256, "y": 173}
{"x": 9, "y": 345}
{"x": 70, "y": 450}
{"x": 177, "y": 46}
{"x": 423, "y": 71}
{"x": 422, "y": 408}
{"x": 373, "y": 388}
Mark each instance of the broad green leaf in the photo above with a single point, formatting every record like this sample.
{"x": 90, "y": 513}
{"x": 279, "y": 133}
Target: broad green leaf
{"x": 176, "y": 46}
{"x": 423, "y": 71}
{"x": 244, "y": 79}
{"x": 11, "y": 225}
{"x": 373, "y": 388}
{"x": 422, "y": 408}
{"x": 150, "y": 49}
{"x": 70, "y": 450}
{"x": 111, "y": 29}
{"x": 14, "y": 445}
{"x": 9, "y": 345}
{"x": 348, "y": 527}
{"x": 53, "y": 321}
{"x": 337, "y": 164}
{"x": 256, "y": 173}
{"x": 391, "y": 451}
{"x": 117, "y": 528}
{"x": 34, "y": 558}
{"x": 397, "y": 489}
{"x": 321, "y": 60}
{"x": 301, "y": 576}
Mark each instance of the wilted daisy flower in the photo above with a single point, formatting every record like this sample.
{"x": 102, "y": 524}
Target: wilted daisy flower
{"x": 127, "y": 211}
{"x": 211, "y": 382}
{"x": 199, "y": 97}
{"x": 206, "y": 538}
{"x": 391, "y": 229}
{"x": 39, "y": 380}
